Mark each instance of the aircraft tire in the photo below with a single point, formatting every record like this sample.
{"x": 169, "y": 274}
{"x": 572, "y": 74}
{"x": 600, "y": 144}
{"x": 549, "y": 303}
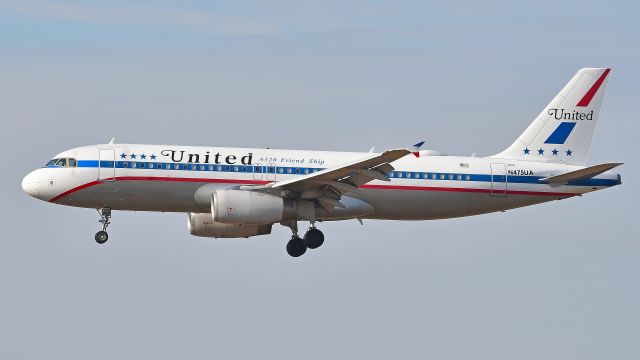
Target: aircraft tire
{"x": 101, "y": 237}
{"x": 313, "y": 238}
{"x": 296, "y": 247}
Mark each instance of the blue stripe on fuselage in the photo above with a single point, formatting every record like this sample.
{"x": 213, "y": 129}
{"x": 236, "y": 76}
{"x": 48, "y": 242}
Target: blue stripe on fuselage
{"x": 288, "y": 170}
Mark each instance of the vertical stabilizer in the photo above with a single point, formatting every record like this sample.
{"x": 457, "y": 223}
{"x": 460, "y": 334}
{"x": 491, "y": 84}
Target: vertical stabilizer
{"x": 564, "y": 129}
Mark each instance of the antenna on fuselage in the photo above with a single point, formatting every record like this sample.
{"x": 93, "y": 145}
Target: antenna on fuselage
{"x": 112, "y": 141}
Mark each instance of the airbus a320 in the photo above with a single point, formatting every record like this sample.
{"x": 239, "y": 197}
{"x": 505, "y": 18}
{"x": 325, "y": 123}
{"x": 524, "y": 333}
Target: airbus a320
{"x": 238, "y": 192}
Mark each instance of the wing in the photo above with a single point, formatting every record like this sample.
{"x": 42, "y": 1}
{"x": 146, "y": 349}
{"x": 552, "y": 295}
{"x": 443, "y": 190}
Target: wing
{"x": 328, "y": 186}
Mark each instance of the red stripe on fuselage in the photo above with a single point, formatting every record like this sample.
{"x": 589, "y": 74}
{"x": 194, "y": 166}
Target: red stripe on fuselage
{"x": 75, "y": 189}
{"x": 158, "y": 178}
{"x": 262, "y": 182}
{"x": 586, "y": 99}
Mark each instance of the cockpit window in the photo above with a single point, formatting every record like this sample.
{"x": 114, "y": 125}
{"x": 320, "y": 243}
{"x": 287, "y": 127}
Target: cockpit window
{"x": 62, "y": 162}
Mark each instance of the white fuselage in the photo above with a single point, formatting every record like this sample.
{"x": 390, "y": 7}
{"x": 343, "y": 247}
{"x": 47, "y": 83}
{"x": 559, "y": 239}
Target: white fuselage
{"x": 166, "y": 178}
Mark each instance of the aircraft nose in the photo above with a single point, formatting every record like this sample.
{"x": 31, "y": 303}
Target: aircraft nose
{"x": 31, "y": 183}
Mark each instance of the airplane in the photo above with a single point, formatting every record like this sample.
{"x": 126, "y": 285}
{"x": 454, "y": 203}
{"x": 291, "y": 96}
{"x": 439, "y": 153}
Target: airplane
{"x": 243, "y": 192}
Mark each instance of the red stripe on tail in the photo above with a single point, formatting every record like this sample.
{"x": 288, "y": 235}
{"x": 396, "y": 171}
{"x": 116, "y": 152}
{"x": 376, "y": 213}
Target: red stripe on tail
{"x": 586, "y": 99}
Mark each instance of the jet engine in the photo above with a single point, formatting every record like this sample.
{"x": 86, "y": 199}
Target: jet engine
{"x": 249, "y": 207}
{"x": 204, "y": 225}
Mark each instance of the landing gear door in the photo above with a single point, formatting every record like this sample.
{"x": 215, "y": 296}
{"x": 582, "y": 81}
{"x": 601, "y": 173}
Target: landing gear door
{"x": 499, "y": 180}
{"x": 106, "y": 165}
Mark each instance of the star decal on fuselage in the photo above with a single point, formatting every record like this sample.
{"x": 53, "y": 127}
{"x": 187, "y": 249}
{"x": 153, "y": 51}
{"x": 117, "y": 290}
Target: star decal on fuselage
{"x": 123, "y": 156}
{"x": 540, "y": 151}
{"x": 554, "y": 151}
{"x": 526, "y": 151}
{"x": 152, "y": 156}
{"x": 143, "y": 156}
{"x": 569, "y": 152}
{"x": 133, "y": 156}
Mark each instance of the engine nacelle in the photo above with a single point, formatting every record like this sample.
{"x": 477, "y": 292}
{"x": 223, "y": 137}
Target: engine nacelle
{"x": 249, "y": 207}
{"x": 204, "y": 225}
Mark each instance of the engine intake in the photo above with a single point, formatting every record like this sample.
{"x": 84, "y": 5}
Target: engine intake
{"x": 203, "y": 225}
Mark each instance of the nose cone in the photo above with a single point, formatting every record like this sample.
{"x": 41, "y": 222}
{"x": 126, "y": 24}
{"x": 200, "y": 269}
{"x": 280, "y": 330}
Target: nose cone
{"x": 31, "y": 183}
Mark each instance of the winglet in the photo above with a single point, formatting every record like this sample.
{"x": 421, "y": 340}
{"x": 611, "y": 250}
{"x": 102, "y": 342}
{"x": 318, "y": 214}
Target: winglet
{"x": 415, "y": 149}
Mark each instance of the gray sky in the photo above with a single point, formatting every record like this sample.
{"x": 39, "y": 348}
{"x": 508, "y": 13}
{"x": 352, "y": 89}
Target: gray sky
{"x": 558, "y": 280}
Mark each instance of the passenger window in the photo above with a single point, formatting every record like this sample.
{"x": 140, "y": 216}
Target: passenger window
{"x": 441, "y": 176}
{"x": 467, "y": 177}
{"x": 459, "y": 177}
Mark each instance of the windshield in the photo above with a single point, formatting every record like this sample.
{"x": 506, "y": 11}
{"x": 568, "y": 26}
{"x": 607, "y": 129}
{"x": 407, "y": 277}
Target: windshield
{"x": 62, "y": 162}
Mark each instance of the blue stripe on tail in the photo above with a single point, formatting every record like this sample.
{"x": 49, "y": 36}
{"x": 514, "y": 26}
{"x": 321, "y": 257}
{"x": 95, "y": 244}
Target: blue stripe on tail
{"x": 561, "y": 133}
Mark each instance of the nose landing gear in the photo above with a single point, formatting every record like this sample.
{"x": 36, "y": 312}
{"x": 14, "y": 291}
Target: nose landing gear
{"x": 105, "y": 219}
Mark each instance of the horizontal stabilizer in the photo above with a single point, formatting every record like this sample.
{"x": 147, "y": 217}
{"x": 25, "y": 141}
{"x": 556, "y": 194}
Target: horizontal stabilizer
{"x": 581, "y": 174}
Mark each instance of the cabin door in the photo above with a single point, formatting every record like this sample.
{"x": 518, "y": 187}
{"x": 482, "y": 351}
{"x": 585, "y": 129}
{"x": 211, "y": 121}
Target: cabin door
{"x": 106, "y": 164}
{"x": 499, "y": 180}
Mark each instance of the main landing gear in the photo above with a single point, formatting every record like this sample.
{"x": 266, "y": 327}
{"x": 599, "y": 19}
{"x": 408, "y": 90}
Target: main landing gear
{"x": 312, "y": 239}
{"x": 105, "y": 219}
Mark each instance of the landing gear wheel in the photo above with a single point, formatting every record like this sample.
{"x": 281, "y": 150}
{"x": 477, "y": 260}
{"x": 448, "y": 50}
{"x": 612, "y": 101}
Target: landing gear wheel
{"x": 102, "y": 237}
{"x": 296, "y": 247}
{"x": 313, "y": 238}
{"x": 105, "y": 219}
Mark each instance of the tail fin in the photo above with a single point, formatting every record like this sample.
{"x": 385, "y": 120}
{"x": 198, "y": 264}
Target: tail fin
{"x": 564, "y": 129}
